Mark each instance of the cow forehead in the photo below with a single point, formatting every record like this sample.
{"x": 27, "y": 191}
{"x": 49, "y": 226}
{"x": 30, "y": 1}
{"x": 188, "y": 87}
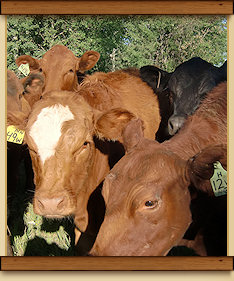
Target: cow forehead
{"x": 157, "y": 169}
{"x": 46, "y": 130}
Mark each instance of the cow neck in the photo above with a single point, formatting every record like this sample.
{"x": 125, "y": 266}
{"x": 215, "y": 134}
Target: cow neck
{"x": 190, "y": 141}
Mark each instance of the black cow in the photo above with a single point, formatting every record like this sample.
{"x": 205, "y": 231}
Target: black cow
{"x": 181, "y": 91}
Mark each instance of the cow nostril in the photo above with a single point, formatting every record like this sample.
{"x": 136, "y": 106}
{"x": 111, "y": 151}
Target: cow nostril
{"x": 61, "y": 204}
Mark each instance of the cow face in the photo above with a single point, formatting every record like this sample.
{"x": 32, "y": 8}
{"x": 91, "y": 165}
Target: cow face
{"x": 59, "y": 67}
{"x": 59, "y": 135}
{"x": 147, "y": 199}
{"x": 68, "y": 164}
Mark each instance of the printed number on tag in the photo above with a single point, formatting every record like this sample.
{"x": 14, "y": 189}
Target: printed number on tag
{"x": 219, "y": 180}
{"x": 24, "y": 68}
{"x": 15, "y": 135}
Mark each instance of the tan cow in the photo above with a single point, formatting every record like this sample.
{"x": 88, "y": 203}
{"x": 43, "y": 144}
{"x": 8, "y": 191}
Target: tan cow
{"x": 59, "y": 67}
{"x": 66, "y": 134}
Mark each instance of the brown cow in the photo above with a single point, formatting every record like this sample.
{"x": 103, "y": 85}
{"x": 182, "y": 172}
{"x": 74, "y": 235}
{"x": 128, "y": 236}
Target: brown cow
{"x": 59, "y": 67}
{"x": 146, "y": 193}
{"x": 66, "y": 133}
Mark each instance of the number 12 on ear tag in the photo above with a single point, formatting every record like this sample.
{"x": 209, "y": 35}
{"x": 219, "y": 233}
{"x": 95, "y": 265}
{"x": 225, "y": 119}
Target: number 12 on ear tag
{"x": 219, "y": 180}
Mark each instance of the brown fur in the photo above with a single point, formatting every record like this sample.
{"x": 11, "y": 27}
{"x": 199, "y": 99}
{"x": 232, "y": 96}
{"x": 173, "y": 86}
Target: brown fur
{"x": 105, "y": 91}
{"x": 59, "y": 66}
{"x": 160, "y": 173}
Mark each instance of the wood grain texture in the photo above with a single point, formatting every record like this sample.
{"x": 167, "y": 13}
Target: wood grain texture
{"x": 116, "y": 263}
{"x": 217, "y": 7}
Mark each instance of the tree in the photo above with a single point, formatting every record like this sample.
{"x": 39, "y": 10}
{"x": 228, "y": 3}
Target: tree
{"x": 122, "y": 41}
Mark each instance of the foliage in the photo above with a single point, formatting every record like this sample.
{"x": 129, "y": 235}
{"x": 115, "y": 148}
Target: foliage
{"x": 123, "y": 41}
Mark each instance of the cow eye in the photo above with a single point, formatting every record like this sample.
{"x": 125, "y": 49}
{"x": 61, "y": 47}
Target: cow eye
{"x": 85, "y": 144}
{"x": 71, "y": 70}
{"x": 150, "y": 204}
{"x": 40, "y": 69}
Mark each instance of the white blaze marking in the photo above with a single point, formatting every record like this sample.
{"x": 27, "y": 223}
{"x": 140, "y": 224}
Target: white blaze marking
{"x": 46, "y": 130}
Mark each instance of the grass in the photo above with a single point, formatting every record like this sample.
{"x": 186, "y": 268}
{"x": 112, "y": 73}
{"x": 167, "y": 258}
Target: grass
{"x": 33, "y": 229}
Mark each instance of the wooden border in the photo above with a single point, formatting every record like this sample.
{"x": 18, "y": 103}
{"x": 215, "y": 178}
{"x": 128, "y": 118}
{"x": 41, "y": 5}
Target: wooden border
{"x": 117, "y": 263}
{"x": 179, "y": 7}
{"x": 121, "y": 7}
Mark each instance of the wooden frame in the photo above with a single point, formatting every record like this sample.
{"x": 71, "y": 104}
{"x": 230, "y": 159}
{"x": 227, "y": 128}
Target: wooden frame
{"x": 117, "y": 7}
{"x": 224, "y": 7}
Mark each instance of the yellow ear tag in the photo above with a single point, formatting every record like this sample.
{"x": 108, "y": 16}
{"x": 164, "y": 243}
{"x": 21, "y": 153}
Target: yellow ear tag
{"x": 219, "y": 180}
{"x": 15, "y": 135}
{"x": 24, "y": 68}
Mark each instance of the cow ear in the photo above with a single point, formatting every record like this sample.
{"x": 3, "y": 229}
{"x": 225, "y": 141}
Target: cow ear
{"x": 133, "y": 134}
{"x": 110, "y": 125}
{"x": 18, "y": 119}
{"x": 200, "y": 168}
{"x": 33, "y": 63}
{"x": 87, "y": 61}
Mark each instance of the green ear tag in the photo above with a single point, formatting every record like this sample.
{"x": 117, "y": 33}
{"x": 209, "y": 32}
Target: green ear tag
{"x": 219, "y": 180}
{"x": 24, "y": 68}
{"x": 15, "y": 135}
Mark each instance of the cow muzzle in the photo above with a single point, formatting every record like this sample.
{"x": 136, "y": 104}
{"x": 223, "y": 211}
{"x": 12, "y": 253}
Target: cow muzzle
{"x": 56, "y": 207}
{"x": 175, "y": 123}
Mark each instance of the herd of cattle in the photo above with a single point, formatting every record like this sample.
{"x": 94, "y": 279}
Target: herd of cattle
{"x": 128, "y": 154}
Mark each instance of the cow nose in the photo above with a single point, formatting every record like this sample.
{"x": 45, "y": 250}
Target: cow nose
{"x": 174, "y": 124}
{"x": 50, "y": 207}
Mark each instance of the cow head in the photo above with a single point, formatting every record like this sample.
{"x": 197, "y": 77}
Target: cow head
{"x": 16, "y": 102}
{"x": 147, "y": 198}
{"x": 59, "y": 67}
{"x": 68, "y": 163}
{"x": 189, "y": 84}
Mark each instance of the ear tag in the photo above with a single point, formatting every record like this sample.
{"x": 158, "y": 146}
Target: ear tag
{"x": 15, "y": 135}
{"x": 219, "y": 180}
{"x": 24, "y": 68}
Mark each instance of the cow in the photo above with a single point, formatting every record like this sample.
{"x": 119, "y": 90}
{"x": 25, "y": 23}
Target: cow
{"x": 147, "y": 193}
{"x": 182, "y": 90}
{"x": 191, "y": 81}
{"x": 67, "y": 134}
{"x": 60, "y": 67}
